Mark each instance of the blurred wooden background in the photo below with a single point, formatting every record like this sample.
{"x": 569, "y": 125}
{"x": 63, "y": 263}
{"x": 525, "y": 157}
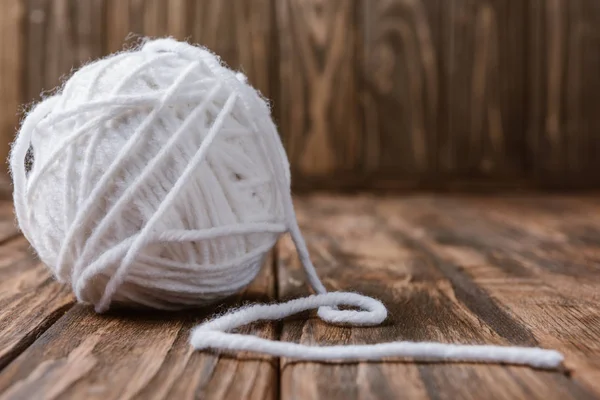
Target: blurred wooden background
{"x": 367, "y": 94}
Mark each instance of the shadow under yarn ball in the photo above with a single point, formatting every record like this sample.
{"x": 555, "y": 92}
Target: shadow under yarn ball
{"x": 154, "y": 180}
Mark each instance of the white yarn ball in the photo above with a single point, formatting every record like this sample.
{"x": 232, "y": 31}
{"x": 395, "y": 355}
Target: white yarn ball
{"x": 158, "y": 179}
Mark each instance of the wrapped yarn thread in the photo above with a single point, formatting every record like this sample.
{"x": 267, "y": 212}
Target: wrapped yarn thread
{"x": 159, "y": 180}
{"x": 119, "y": 157}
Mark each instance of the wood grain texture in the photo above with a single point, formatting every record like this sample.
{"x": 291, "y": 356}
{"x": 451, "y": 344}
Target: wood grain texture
{"x": 8, "y": 223}
{"x": 483, "y": 90}
{"x": 401, "y": 99}
{"x": 31, "y": 300}
{"x": 319, "y": 113}
{"x": 536, "y": 258}
{"x": 11, "y": 19}
{"x": 521, "y": 270}
{"x": 564, "y": 92}
{"x": 143, "y": 355}
{"x": 60, "y": 35}
{"x": 368, "y": 94}
{"x": 129, "y": 20}
{"x": 388, "y": 248}
{"x": 241, "y": 32}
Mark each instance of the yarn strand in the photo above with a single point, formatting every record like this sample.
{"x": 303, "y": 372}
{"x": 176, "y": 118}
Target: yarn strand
{"x": 144, "y": 236}
{"x": 214, "y": 335}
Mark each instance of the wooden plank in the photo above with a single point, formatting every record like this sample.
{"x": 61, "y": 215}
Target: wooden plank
{"x": 147, "y": 355}
{"x": 401, "y": 99}
{"x": 11, "y": 19}
{"x": 242, "y": 33}
{"x": 117, "y": 25}
{"x": 8, "y": 223}
{"x": 536, "y": 257}
{"x": 363, "y": 244}
{"x": 155, "y": 16}
{"x": 483, "y": 90}
{"x": 319, "y": 113}
{"x": 130, "y": 20}
{"x": 239, "y": 31}
{"x": 564, "y": 92}
{"x": 31, "y": 300}
{"x": 61, "y": 35}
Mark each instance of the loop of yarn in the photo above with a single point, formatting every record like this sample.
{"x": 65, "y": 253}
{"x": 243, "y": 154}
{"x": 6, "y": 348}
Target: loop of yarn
{"x": 159, "y": 180}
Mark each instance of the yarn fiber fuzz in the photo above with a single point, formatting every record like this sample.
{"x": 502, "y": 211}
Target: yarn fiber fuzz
{"x": 156, "y": 179}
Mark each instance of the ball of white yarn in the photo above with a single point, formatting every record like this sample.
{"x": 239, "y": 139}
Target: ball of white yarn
{"x": 157, "y": 179}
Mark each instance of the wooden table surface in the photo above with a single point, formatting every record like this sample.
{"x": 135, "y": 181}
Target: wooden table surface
{"x": 521, "y": 270}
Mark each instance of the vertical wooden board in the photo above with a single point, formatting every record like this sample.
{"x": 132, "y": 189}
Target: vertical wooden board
{"x": 61, "y": 35}
{"x": 154, "y": 15}
{"x": 141, "y": 355}
{"x": 242, "y": 33}
{"x": 483, "y": 91}
{"x": 117, "y": 25}
{"x": 564, "y": 48}
{"x": 319, "y": 113}
{"x": 128, "y": 21}
{"x": 11, "y": 19}
{"x": 357, "y": 245}
{"x": 239, "y": 31}
{"x": 537, "y": 257}
{"x": 400, "y": 96}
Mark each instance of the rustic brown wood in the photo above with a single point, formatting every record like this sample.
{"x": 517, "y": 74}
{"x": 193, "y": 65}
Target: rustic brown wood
{"x": 382, "y": 94}
{"x": 246, "y": 41}
{"x": 318, "y": 99}
{"x": 11, "y": 19}
{"x": 128, "y": 21}
{"x": 536, "y": 258}
{"x": 483, "y": 90}
{"x": 8, "y": 224}
{"x": 241, "y": 32}
{"x": 60, "y": 35}
{"x": 117, "y": 25}
{"x": 145, "y": 355}
{"x": 401, "y": 72}
{"x": 564, "y": 92}
{"x": 386, "y": 248}
{"x": 506, "y": 269}
{"x": 31, "y": 300}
